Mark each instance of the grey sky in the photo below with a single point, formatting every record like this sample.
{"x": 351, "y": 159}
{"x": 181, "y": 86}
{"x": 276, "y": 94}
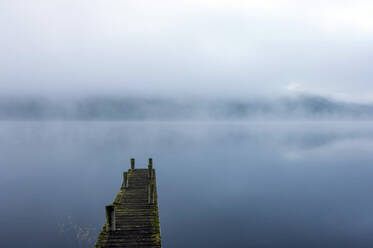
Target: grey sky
{"x": 220, "y": 47}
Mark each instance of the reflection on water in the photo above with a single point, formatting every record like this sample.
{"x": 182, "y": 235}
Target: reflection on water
{"x": 269, "y": 184}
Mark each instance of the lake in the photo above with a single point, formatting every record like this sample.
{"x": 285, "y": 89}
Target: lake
{"x": 220, "y": 184}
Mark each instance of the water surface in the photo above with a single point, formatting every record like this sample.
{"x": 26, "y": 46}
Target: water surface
{"x": 255, "y": 184}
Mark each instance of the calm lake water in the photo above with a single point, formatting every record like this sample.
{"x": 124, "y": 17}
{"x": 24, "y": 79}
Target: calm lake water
{"x": 258, "y": 184}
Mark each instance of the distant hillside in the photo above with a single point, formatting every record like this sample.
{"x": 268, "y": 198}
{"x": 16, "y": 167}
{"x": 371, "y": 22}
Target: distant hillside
{"x": 131, "y": 108}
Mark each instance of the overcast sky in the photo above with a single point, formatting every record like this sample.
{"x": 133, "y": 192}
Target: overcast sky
{"x": 215, "y": 47}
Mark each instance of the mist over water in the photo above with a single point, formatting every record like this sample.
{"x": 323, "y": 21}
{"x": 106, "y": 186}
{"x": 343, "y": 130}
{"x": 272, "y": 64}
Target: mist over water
{"x": 242, "y": 184}
{"x": 258, "y": 116}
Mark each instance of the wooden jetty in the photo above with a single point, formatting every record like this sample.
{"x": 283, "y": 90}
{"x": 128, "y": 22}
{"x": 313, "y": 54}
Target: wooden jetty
{"x": 133, "y": 220}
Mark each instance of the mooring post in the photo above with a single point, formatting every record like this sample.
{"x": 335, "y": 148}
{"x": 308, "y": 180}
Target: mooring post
{"x": 125, "y": 180}
{"x": 150, "y": 168}
{"x": 110, "y": 218}
{"x": 151, "y": 193}
{"x": 132, "y": 163}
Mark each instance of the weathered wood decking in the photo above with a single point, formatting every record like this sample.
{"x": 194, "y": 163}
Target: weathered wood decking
{"x": 133, "y": 220}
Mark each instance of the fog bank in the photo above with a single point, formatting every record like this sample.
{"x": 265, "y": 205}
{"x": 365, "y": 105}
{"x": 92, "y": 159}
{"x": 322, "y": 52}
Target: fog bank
{"x": 104, "y": 107}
